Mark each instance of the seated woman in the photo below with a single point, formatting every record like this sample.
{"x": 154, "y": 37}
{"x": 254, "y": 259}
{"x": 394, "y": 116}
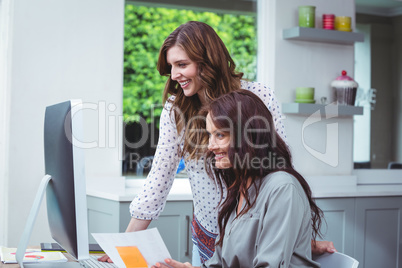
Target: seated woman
{"x": 267, "y": 217}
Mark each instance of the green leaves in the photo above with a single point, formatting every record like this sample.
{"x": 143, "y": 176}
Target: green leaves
{"x": 144, "y": 32}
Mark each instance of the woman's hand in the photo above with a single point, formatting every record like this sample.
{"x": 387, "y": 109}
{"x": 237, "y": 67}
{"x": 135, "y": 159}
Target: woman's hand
{"x": 133, "y": 225}
{"x": 174, "y": 264}
{"x": 105, "y": 258}
{"x": 321, "y": 247}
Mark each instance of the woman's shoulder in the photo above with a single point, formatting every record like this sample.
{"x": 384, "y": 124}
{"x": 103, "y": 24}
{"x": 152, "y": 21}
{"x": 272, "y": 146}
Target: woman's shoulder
{"x": 265, "y": 93}
{"x": 281, "y": 184}
{"x": 168, "y": 105}
{"x": 167, "y": 116}
{"x": 279, "y": 179}
{"x": 253, "y": 86}
{"x": 169, "y": 101}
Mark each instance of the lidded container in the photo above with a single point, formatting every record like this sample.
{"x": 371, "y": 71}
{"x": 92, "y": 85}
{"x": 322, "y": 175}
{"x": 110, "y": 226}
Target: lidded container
{"x": 344, "y": 89}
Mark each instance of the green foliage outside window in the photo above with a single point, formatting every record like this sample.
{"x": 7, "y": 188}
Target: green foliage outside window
{"x": 145, "y": 30}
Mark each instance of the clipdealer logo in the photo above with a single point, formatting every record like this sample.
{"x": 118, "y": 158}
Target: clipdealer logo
{"x": 331, "y": 154}
{"x": 109, "y": 136}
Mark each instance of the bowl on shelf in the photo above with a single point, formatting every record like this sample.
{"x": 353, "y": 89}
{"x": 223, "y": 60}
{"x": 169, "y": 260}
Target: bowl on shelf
{"x": 343, "y": 23}
{"x": 304, "y": 93}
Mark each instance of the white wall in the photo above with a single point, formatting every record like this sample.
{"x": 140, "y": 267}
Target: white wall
{"x": 60, "y": 50}
{"x": 6, "y": 8}
{"x": 285, "y": 65}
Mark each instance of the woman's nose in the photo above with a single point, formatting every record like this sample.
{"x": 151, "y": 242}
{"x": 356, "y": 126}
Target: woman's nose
{"x": 175, "y": 74}
{"x": 211, "y": 145}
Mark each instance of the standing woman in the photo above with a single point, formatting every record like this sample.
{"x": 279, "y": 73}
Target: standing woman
{"x": 268, "y": 217}
{"x": 199, "y": 69}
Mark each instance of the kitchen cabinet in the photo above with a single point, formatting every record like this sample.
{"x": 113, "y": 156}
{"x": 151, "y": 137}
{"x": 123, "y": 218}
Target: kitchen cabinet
{"x": 378, "y": 235}
{"x": 338, "y": 225}
{"x": 362, "y": 216}
{"x": 110, "y": 216}
{"x": 366, "y": 228}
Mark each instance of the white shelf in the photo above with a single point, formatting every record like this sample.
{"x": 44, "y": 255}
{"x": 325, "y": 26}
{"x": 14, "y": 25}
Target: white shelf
{"x": 322, "y": 35}
{"x": 329, "y": 110}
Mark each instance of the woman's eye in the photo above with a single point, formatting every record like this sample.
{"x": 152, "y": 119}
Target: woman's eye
{"x": 182, "y": 65}
{"x": 220, "y": 135}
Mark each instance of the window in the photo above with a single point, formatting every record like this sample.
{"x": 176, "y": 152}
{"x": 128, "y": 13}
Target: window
{"x": 145, "y": 30}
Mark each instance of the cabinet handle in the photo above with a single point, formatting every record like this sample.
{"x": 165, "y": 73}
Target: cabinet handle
{"x": 187, "y": 253}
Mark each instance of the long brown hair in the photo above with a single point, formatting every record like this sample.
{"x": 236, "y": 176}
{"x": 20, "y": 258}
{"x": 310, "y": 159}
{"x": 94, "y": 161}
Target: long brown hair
{"x": 253, "y": 137}
{"x": 216, "y": 70}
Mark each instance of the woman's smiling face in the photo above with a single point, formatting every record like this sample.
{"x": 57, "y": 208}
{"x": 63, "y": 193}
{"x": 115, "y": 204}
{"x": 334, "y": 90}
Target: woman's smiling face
{"x": 183, "y": 70}
{"x": 219, "y": 143}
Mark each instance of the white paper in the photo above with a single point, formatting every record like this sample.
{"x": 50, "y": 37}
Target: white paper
{"x": 31, "y": 255}
{"x": 149, "y": 242}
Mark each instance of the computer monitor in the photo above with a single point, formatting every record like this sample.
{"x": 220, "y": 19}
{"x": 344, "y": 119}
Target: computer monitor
{"x": 64, "y": 184}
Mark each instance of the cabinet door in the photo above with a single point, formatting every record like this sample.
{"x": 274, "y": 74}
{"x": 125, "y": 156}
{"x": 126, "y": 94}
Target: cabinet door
{"x": 378, "y": 234}
{"x": 338, "y": 223}
{"x": 174, "y": 225}
{"x": 103, "y": 216}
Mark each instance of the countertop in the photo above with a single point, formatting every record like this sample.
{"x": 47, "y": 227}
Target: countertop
{"x": 362, "y": 183}
{"x": 124, "y": 190}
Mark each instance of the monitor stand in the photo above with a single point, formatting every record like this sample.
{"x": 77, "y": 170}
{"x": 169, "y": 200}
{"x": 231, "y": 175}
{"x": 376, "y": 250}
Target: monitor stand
{"x": 23, "y": 244}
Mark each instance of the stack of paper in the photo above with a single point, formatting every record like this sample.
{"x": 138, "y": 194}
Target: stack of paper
{"x": 135, "y": 249}
{"x": 31, "y": 255}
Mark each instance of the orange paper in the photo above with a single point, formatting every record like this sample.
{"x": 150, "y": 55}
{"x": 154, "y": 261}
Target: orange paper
{"x": 132, "y": 257}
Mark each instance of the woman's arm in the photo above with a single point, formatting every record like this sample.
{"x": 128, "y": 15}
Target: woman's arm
{"x": 137, "y": 225}
{"x": 133, "y": 226}
{"x": 148, "y": 204}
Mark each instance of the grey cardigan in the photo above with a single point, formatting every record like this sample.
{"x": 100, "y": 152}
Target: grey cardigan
{"x": 276, "y": 231}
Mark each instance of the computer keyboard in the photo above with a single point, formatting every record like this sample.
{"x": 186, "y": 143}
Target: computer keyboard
{"x": 93, "y": 262}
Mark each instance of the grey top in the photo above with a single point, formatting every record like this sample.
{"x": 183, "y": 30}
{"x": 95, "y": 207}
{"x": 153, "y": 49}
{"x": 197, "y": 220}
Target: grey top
{"x": 275, "y": 232}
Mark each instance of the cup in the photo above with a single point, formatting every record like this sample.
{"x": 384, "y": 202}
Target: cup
{"x": 307, "y": 16}
{"x": 328, "y": 21}
{"x": 343, "y": 23}
{"x": 304, "y": 94}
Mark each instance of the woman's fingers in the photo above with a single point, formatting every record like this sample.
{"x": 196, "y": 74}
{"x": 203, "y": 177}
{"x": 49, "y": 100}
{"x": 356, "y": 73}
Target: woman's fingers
{"x": 105, "y": 258}
{"x": 172, "y": 263}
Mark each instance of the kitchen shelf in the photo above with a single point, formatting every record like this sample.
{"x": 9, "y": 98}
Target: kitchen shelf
{"x": 322, "y": 35}
{"x": 329, "y": 110}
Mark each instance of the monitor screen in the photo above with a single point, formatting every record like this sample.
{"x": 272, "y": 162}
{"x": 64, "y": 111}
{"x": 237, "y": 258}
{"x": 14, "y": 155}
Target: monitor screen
{"x": 64, "y": 182}
{"x": 66, "y": 193}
